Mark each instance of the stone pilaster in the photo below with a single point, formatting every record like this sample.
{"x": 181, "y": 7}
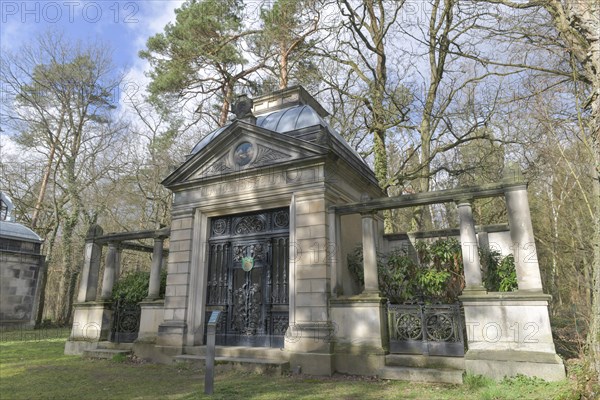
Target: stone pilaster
{"x": 173, "y": 330}
{"x": 309, "y": 252}
{"x": 308, "y": 338}
{"x": 154, "y": 285}
{"x": 334, "y": 252}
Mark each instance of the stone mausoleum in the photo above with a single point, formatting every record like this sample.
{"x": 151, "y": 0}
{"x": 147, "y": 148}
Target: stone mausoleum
{"x": 265, "y": 211}
{"x": 20, "y": 264}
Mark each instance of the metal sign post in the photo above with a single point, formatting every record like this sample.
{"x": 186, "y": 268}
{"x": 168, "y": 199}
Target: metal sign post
{"x": 209, "y": 373}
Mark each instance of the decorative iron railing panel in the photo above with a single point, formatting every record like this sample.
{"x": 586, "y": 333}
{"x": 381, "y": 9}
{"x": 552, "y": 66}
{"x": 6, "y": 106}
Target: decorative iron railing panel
{"x": 436, "y": 330}
{"x": 126, "y": 322}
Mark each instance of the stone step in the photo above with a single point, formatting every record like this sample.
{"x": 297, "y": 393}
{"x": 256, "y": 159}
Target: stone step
{"x": 421, "y": 361}
{"x": 115, "y": 346}
{"x": 430, "y": 375}
{"x": 106, "y": 354}
{"x": 256, "y": 365}
{"x": 262, "y": 353}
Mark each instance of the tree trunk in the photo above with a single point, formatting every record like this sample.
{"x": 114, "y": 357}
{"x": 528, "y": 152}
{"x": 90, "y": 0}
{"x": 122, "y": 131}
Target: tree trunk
{"x": 438, "y": 44}
{"x": 64, "y": 301}
{"x": 421, "y": 216}
{"x": 283, "y": 68}
{"x": 44, "y": 185}
{"x": 43, "y": 278}
{"x": 593, "y": 338}
{"x": 70, "y": 268}
{"x": 226, "y": 106}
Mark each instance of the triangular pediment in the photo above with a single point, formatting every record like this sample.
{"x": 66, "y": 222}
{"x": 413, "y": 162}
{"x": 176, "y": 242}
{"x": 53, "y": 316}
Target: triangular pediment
{"x": 239, "y": 148}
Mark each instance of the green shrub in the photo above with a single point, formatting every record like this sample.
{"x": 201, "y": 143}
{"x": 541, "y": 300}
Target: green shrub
{"x": 355, "y": 266}
{"x": 396, "y": 271}
{"x": 133, "y": 287}
{"x": 442, "y": 269}
{"x": 500, "y": 275}
{"x": 508, "y": 274}
{"x": 436, "y": 275}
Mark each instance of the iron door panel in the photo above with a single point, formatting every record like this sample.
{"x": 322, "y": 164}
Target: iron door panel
{"x": 248, "y": 278}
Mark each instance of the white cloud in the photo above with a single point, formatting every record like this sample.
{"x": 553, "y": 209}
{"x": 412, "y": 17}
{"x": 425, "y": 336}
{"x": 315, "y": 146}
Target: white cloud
{"x": 152, "y": 18}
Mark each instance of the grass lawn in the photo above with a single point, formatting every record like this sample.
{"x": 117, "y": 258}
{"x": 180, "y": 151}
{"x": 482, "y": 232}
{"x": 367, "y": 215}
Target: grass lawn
{"x": 33, "y": 366}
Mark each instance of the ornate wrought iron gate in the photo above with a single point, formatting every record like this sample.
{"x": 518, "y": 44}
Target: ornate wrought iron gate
{"x": 126, "y": 321}
{"x": 248, "y": 278}
{"x": 435, "y": 330}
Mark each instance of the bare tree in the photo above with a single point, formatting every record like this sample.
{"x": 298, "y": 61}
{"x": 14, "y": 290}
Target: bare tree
{"x": 410, "y": 90}
{"x": 361, "y": 48}
{"x": 60, "y": 98}
{"x": 577, "y": 25}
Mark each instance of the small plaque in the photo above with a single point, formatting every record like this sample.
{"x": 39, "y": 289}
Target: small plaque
{"x": 247, "y": 263}
{"x": 214, "y": 317}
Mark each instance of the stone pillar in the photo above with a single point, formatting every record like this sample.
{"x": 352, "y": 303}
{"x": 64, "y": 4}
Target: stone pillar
{"x": 483, "y": 239}
{"x": 369, "y": 243}
{"x": 110, "y": 268}
{"x": 360, "y": 322}
{"x": 154, "y": 286}
{"x": 335, "y": 237}
{"x": 118, "y": 263}
{"x": 521, "y": 233}
{"x": 468, "y": 244}
{"x": 88, "y": 284}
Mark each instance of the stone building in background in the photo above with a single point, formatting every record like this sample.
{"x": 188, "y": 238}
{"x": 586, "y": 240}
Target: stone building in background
{"x": 20, "y": 263}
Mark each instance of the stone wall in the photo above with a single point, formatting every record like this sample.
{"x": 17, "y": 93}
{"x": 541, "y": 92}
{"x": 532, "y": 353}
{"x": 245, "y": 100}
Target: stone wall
{"x": 18, "y": 284}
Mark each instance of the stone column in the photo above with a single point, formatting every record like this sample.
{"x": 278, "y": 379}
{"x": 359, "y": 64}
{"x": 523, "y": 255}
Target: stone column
{"x": 521, "y": 234}
{"x": 110, "y": 268}
{"x": 154, "y": 286}
{"x": 91, "y": 266}
{"x": 468, "y": 244}
{"x": 369, "y": 244}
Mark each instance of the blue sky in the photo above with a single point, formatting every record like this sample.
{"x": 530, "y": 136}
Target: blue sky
{"x": 123, "y": 25}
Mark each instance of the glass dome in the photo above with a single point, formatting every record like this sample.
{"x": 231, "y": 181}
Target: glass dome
{"x": 286, "y": 120}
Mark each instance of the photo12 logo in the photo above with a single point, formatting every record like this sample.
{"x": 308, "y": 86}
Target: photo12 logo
{"x": 69, "y": 11}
